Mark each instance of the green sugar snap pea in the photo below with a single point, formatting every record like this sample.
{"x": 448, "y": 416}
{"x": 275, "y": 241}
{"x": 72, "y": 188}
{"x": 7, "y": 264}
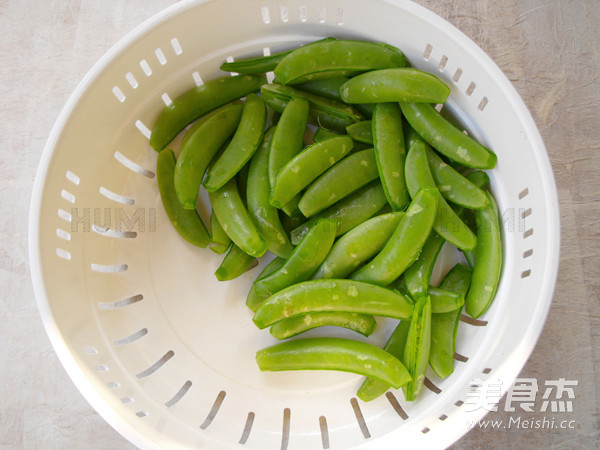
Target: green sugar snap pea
{"x": 348, "y": 212}
{"x": 244, "y": 143}
{"x": 322, "y": 134}
{"x": 198, "y": 101}
{"x": 253, "y": 300}
{"x": 453, "y": 186}
{"x": 323, "y": 112}
{"x": 346, "y": 176}
{"x": 332, "y": 295}
{"x": 345, "y": 355}
{"x": 447, "y": 223}
{"x": 445, "y": 326}
{"x": 264, "y": 215}
{"x": 187, "y": 222}
{"x": 405, "y": 244}
{"x": 361, "y": 132}
{"x": 443, "y": 301}
{"x": 390, "y": 153}
{"x": 372, "y": 387}
{"x": 235, "y": 220}
{"x": 488, "y": 260}
{"x": 288, "y": 138}
{"x": 417, "y": 276}
{"x": 303, "y": 261}
{"x": 235, "y": 263}
{"x": 395, "y": 85}
{"x": 446, "y": 138}
{"x": 200, "y": 149}
{"x": 307, "y": 165}
{"x": 358, "y": 245}
{"x": 219, "y": 240}
{"x": 418, "y": 344}
{"x": 286, "y": 328}
{"x": 336, "y": 59}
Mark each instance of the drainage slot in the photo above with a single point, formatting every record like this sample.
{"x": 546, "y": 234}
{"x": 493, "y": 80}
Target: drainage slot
{"x": 214, "y": 410}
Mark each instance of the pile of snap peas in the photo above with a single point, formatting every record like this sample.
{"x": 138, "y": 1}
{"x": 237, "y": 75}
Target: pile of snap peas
{"x": 344, "y": 170}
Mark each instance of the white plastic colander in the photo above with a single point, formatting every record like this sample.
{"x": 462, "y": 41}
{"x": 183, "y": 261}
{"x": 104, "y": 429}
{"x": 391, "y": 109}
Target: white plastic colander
{"x": 165, "y": 352}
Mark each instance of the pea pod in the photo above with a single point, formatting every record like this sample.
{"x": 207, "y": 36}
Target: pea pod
{"x": 351, "y": 173}
{"x": 332, "y": 295}
{"x": 452, "y": 185}
{"x": 286, "y": 328}
{"x": 187, "y": 222}
{"x": 235, "y": 220}
{"x": 443, "y": 301}
{"x": 361, "y": 132}
{"x": 253, "y": 300}
{"x": 336, "y": 58}
{"x": 330, "y": 88}
{"x": 404, "y": 246}
{"x": 235, "y": 263}
{"x": 447, "y": 223}
{"x": 323, "y": 112}
{"x": 488, "y": 261}
{"x": 444, "y": 326}
{"x": 219, "y": 240}
{"x": 358, "y": 245}
{"x": 265, "y": 216}
{"x": 395, "y": 85}
{"x": 322, "y": 134}
{"x": 198, "y": 101}
{"x": 307, "y": 165}
{"x": 200, "y": 149}
{"x": 244, "y": 143}
{"x": 390, "y": 153}
{"x": 418, "y": 344}
{"x": 198, "y": 123}
{"x": 349, "y": 212}
{"x": 288, "y": 138}
{"x": 372, "y": 387}
{"x": 446, "y": 138}
{"x": 334, "y": 354}
{"x": 303, "y": 261}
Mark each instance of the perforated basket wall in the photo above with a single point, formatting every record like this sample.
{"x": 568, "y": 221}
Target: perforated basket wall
{"x": 164, "y": 351}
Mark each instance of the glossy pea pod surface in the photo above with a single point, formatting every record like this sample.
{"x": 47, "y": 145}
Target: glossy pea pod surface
{"x": 361, "y": 323}
{"x": 418, "y": 344}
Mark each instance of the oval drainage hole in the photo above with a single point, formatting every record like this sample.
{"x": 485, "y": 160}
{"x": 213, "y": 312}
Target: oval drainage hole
{"x": 324, "y": 432}
{"x": 214, "y": 410}
{"x": 285, "y": 429}
{"x": 396, "y": 405}
{"x": 180, "y": 393}
{"x": 157, "y": 365}
{"x": 247, "y": 428}
{"x": 120, "y": 304}
{"x": 359, "y": 418}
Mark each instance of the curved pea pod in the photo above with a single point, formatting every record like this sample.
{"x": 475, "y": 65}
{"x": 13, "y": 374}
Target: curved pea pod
{"x": 446, "y": 138}
{"x": 390, "y": 153}
{"x": 395, "y": 85}
{"x": 336, "y": 58}
{"x": 447, "y": 223}
{"x": 288, "y": 138}
{"x": 444, "y": 326}
{"x": 219, "y": 240}
{"x": 345, "y": 177}
{"x": 418, "y": 345}
{"x": 198, "y": 123}
{"x": 323, "y": 112}
{"x": 488, "y": 261}
{"x": 443, "y": 301}
{"x": 322, "y": 134}
{"x": 187, "y": 222}
{"x": 235, "y": 263}
{"x": 418, "y": 275}
{"x": 372, "y": 387}
{"x": 452, "y": 185}
{"x": 404, "y": 246}
{"x": 307, "y": 165}
{"x": 345, "y": 355}
{"x": 361, "y": 132}
{"x": 200, "y": 149}
{"x": 303, "y": 261}
{"x": 254, "y": 300}
{"x": 244, "y": 143}
{"x": 348, "y": 212}
{"x": 332, "y": 295}
{"x": 198, "y": 101}
{"x": 235, "y": 220}
{"x": 358, "y": 245}
{"x": 286, "y": 328}
{"x": 265, "y": 216}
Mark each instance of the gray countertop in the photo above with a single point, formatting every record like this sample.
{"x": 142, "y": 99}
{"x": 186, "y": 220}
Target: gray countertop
{"x": 547, "y": 48}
